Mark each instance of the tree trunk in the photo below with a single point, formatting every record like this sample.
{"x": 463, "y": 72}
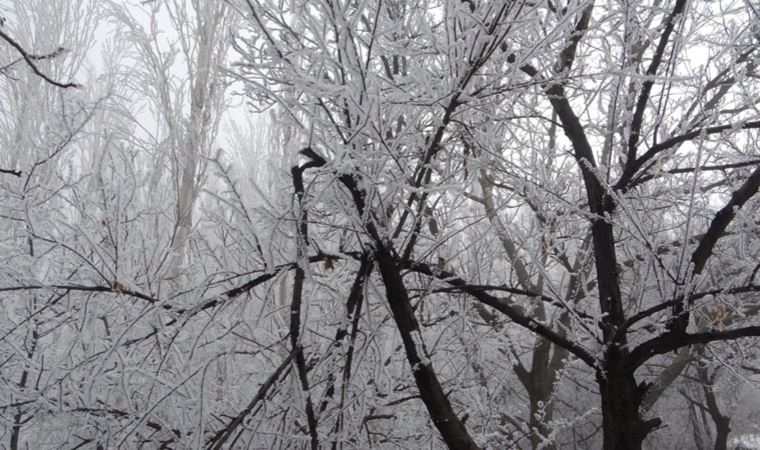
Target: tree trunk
{"x": 722, "y": 429}
{"x": 722, "y": 422}
{"x": 622, "y": 424}
{"x": 540, "y": 415}
{"x": 540, "y": 387}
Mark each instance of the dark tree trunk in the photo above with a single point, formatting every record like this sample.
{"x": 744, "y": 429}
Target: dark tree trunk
{"x": 722, "y": 422}
{"x": 622, "y": 423}
{"x": 722, "y": 429}
{"x": 538, "y": 425}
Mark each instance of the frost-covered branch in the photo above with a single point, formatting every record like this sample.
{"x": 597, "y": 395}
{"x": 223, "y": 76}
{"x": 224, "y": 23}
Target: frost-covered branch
{"x": 30, "y": 61}
{"x": 673, "y": 341}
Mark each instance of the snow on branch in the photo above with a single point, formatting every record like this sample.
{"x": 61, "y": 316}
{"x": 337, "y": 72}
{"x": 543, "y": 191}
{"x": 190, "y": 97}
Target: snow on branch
{"x": 31, "y": 58}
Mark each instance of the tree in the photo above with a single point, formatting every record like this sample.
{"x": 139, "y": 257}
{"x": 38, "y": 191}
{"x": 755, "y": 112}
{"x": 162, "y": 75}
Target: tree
{"x": 470, "y": 224}
{"x": 638, "y": 121}
{"x": 88, "y": 217}
{"x": 188, "y": 105}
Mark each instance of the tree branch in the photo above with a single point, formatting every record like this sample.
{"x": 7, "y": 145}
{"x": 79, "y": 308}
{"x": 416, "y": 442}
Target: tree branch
{"x": 638, "y": 115}
{"x": 628, "y": 174}
{"x": 452, "y": 429}
{"x": 600, "y": 204}
{"x": 510, "y": 310}
{"x": 118, "y": 288}
{"x": 302, "y": 242}
{"x": 30, "y": 61}
{"x": 696, "y": 296}
{"x": 221, "y": 436}
{"x": 722, "y": 219}
{"x": 673, "y": 341}
{"x": 16, "y": 173}
{"x": 567, "y": 56}
{"x": 490, "y": 287}
{"x": 235, "y": 292}
{"x": 441, "y": 412}
{"x": 718, "y": 167}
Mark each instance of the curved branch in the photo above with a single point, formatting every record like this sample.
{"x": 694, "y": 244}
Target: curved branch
{"x": 704, "y": 250}
{"x": 450, "y": 426}
{"x": 717, "y": 167}
{"x": 243, "y": 288}
{"x": 302, "y": 242}
{"x": 625, "y": 179}
{"x": 502, "y": 288}
{"x": 30, "y": 61}
{"x": 510, "y": 310}
{"x": 643, "y": 314}
{"x": 723, "y": 218}
{"x": 673, "y": 341}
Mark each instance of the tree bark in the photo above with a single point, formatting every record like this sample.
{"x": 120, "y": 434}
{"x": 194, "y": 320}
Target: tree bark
{"x": 622, "y": 423}
{"x": 722, "y": 422}
{"x": 441, "y": 412}
{"x": 541, "y": 411}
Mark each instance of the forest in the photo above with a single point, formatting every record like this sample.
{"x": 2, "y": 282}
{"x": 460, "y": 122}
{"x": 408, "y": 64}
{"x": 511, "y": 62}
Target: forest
{"x": 379, "y": 224}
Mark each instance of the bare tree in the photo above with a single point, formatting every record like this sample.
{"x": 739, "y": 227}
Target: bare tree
{"x": 480, "y": 225}
{"x": 401, "y": 141}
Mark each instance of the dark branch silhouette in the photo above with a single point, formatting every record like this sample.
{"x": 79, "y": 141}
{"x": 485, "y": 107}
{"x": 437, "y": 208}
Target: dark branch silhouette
{"x": 16, "y": 173}
{"x": 31, "y": 58}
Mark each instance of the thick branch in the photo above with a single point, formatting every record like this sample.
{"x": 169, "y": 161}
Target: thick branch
{"x": 722, "y": 219}
{"x": 439, "y": 408}
{"x": 502, "y": 288}
{"x": 669, "y": 342}
{"x": 643, "y": 314}
{"x": 567, "y": 56}
{"x": 441, "y": 412}
{"x": 302, "y": 241}
{"x": 666, "y": 378}
{"x": 600, "y": 204}
{"x": 704, "y": 250}
{"x": 638, "y": 115}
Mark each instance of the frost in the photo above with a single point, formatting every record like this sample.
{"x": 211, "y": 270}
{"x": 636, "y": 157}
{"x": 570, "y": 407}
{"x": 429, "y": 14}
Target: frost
{"x": 419, "y": 349}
